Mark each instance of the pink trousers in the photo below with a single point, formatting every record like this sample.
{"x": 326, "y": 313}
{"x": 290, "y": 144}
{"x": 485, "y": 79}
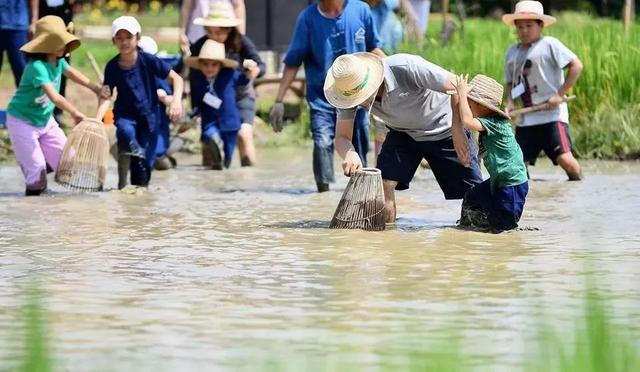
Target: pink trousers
{"x": 35, "y": 148}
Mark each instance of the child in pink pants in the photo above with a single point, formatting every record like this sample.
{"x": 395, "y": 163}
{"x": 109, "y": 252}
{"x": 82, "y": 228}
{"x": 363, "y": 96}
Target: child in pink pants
{"x": 37, "y": 140}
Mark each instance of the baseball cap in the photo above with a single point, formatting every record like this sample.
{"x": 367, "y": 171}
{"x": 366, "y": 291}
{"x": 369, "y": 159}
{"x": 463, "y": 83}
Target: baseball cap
{"x": 125, "y": 23}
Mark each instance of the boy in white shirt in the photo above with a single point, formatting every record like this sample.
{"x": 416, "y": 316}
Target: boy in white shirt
{"x": 534, "y": 74}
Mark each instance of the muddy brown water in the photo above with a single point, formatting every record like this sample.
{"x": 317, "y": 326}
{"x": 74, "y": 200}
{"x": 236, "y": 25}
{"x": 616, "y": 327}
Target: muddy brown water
{"x": 238, "y": 270}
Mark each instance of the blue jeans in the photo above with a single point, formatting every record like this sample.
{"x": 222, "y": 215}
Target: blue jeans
{"x": 11, "y": 41}
{"x": 323, "y": 132}
{"x": 135, "y": 139}
{"x": 163, "y": 135}
{"x": 229, "y": 138}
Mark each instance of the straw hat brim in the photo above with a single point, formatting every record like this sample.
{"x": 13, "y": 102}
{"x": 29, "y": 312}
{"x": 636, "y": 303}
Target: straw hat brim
{"x": 232, "y": 22}
{"x": 489, "y": 106}
{"x": 376, "y": 70}
{"x": 50, "y": 43}
{"x": 193, "y": 62}
{"x": 511, "y": 18}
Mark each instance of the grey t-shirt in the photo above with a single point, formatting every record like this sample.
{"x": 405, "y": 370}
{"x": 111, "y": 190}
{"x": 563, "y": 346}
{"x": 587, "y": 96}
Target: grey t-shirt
{"x": 412, "y": 101}
{"x": 540, "y": 68}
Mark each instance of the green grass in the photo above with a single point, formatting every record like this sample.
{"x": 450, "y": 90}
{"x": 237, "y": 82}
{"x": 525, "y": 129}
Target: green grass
{"x": 604, "y": 118}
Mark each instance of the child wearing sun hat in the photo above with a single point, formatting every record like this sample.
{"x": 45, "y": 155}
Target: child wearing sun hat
{"x": 217, "y": 105}
{"x": 534, "y": 74}
{"x": 37, "y": 139}
{"x": 496, "y": 203}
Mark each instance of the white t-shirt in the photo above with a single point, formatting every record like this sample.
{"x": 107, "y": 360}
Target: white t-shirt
{"x": 540, "y": 68}
{"x": 200, "y": 9}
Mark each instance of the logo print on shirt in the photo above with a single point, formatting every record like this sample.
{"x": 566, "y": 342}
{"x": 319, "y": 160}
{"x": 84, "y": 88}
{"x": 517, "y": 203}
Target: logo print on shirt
{"x": 360, "y": 35}
{"x": 404, "y": 94}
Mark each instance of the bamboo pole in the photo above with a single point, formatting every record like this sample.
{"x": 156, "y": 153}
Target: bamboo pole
{"x": 627, "y": 18}
{"x": 445, "y": 11}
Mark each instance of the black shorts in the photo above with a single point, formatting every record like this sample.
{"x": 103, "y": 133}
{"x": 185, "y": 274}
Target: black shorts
{"x": 553, "y": 138}
{"x": 401, "y": 155}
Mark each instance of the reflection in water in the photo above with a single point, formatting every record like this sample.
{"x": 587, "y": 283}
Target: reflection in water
{"x": 238, "y": 268}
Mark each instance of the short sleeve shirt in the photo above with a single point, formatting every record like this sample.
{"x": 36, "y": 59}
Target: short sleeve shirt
{"x": 540, "y": 69}
{"x": 413, "y": 101}
{"x": 318, "y": 40}
{"x": 31, "y": 103}
{"x": 501, "y": 154}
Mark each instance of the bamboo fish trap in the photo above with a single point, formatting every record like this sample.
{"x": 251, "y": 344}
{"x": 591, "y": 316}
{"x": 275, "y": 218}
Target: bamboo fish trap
{"x": 362, "y": 203}
{"x": 83, "y": 165}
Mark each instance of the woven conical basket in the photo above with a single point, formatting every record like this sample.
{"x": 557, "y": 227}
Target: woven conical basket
{"x": 362, "y": 203}
{"x": 83, "y": 165}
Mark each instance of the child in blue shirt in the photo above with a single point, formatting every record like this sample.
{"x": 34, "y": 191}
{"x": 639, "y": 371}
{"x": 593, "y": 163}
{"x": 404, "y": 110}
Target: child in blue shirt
{"x": 219, "y": 112}
{"x": 133, "y": 72}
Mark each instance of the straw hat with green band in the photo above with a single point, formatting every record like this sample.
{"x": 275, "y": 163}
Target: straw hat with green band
{"x": 221, "y": 14}
{"x": 528, "y": 10}
{"x": 352, "y": 79}
{"x": 51, "y": 36}
{"x": 488, "y": 93}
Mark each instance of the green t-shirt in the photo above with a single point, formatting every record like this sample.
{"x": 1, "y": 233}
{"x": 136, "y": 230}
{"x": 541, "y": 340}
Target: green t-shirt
{"x": 31, "y": 103}
{"x": 501, "y": 153}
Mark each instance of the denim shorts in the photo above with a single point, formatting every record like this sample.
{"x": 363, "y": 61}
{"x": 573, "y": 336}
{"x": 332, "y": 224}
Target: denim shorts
{"x": 401, "y": 155}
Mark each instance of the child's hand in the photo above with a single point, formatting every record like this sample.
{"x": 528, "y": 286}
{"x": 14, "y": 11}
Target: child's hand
{"x": 105, "y": 92}
{"x": 555, "y": 101}
{"x": 175, "y": 110}
{"x": 78, "y": 116}
{"x": 251, "y": 69}
{"x": 462, "y": 88}
{"x": 164, "y": 98}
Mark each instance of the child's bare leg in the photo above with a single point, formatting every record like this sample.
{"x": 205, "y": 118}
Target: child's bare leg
{"x": 245, "y": 145}
{"x": 390, "y": 200}
{"x": 570, "y": 166}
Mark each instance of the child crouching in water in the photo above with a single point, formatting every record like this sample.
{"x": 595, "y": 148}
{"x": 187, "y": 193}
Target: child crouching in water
{"x": 497, "y": 203}
{"x": 219, "y": 112}
{"x": 132, "y": 72}
{"x": 37, "y": 139}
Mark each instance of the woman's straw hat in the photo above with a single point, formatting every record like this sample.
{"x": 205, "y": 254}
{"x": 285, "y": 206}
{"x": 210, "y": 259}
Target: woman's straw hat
{"x": 51, "y": 36}
{"x": 211, "y": 50}
{"x": 488, "y": 93}
{"x": 352, "y": 79}
{"x": 528, "y": 10}
{"x": 221, "y": 14}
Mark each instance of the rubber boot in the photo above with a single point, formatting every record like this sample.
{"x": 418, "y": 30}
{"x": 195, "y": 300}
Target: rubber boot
{"x": 124, "y": 163}
{"x": 322, "y": 187}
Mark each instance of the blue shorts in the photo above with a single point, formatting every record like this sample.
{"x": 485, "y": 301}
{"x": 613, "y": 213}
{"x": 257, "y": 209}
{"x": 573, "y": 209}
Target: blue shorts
{"x": 503, "y": 207}
{"x": 401, "y": 155}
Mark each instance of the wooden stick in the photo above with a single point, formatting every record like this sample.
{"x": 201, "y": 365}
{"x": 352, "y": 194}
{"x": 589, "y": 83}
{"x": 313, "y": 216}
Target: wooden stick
{"x": 95, "y": 66}
{"x": 540, "y": 107}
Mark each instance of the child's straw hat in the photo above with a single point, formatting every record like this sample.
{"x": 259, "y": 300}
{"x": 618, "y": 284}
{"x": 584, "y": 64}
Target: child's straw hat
{"x": 211, "y": 50}
{"x": 528, "y": 10}
{"x": 352, "y": 79}
{"x": 221, "y": 14}
{"x": 488, "y": 93}
{"x": 51, "y": 36}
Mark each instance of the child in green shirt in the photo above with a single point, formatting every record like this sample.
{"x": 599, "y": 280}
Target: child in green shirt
{"x": 497, "y": 203}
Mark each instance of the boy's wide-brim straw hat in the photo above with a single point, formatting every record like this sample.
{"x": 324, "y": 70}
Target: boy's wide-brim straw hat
{"x": 528, "y": 10}
{"x": 221, "y": 14}
{"x": 51, "y": 36}
{"x": 352, "y": 79}
{"x": 488, "y": 93}
{"x": 211, "y": 50}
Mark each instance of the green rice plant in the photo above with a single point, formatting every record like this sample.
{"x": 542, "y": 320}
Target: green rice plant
{"x": 598, "y": 344}
{"x": 36, "y": 351}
